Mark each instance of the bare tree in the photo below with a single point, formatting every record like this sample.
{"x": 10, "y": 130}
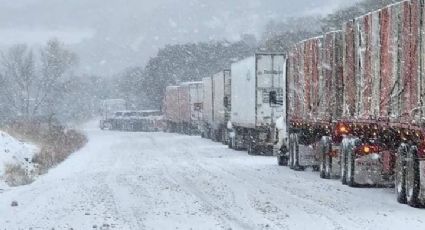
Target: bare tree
{"x": 56, "y": 62}
{"x": 18, "y": 78}
{"x": 27, "y": 91}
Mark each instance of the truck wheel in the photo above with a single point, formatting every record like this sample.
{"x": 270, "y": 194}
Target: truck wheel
{"x": 296, "y": 154}
{"x": 322, "y": 160}
{"x": 250, "y": 147}
{"x": 343, "y": 160}
{"x": 326, "y": 161}
{"x": 350, "y": 165}
{"x": 282, "y": 161}
{"x": 291, "y": 152}
{"x": 412, "y": 177}
{"x": 400, "y": 174}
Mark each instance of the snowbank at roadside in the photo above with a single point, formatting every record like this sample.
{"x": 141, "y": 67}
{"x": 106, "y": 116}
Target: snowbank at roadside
{"x": 14, "y": 151}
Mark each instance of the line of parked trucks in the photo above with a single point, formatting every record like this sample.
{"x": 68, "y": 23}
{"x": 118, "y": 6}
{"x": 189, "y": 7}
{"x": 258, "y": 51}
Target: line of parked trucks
{"x": 349, "y": 104}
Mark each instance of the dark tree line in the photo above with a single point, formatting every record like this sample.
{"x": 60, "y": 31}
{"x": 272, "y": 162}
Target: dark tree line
{"x": 145, "y": 87}
{"x": 335, "y": 20}
{"x": 281, "y": 36}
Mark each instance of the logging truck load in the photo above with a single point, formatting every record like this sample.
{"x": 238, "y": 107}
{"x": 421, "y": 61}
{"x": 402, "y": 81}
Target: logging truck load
{"x": 355, "y": 102}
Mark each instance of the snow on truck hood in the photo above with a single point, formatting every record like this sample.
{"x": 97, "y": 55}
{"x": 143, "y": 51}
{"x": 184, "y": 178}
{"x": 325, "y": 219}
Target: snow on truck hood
{"x": 13, "y": 151}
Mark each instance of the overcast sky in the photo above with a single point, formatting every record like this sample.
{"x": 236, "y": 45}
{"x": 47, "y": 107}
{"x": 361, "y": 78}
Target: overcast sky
{"x": 110, "y": 35}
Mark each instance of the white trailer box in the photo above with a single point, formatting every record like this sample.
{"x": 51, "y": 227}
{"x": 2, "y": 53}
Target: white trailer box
{"x": 207, "y": 112}
{"x": 243, "y": 91}
{"x": 190, "y": 104}
{"x": 270, "y": 70}
{"x": 257, "y": 90}
{"x": 257, "y": 76}
{"x": 219, "y": 112}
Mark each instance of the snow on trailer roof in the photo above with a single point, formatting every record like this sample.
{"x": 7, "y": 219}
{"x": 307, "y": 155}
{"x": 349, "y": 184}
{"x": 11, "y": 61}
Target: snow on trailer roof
{"x": 374, "y": 12}
{"x": 191, "y": 83}
{"x": 144, "y": 111}
{"x": 310, "y": 39}
{"x": 269, "y": 53}
{"x": 334, "y": 32}
{"x": 148, "y": 111}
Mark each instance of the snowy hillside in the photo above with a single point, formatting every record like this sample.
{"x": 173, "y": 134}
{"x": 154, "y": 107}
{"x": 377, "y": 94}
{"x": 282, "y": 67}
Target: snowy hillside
{"x": 13, "y": 151}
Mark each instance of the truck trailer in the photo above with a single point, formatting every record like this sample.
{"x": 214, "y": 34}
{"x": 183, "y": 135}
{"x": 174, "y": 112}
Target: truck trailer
{"x": 183, "y": 107}
{"x": 355, "y": 102}
{"x": 256, "y": 82}
{"x": 216, "y": 111}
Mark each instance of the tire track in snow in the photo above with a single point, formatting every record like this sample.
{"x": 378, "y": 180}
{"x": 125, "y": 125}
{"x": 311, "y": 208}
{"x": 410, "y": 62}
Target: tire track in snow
{"x": 194, "y": 167}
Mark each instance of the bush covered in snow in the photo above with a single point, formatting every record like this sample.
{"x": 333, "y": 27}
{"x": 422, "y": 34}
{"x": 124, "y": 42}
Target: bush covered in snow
{"x": 16, "y": 174}
{"x": 15, "y": 160}
{"x": 55, "y": 143}
{"x": 57, "y": 146}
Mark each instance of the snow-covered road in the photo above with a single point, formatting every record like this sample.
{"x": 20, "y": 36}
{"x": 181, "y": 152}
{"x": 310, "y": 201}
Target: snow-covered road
{"x": 166, "y": 181}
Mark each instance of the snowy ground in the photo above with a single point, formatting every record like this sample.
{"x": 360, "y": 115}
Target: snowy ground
{"x": 13, "y": 151}
{"x": 165, "y": 181}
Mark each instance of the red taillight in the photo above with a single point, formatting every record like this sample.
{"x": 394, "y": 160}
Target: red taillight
{"x": 342, "y": 129}
{"x": 367, "y": 149}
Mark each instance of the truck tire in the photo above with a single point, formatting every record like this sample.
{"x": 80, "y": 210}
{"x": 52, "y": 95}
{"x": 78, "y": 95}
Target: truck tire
{"x": 400, "y": 173}
{"x": 412, "y": 177}
{"x": 322, "y": 166}
{"x": 282, "y": 161}
{"x": 251, "y": 147}
{"x": 326, "y": 160}
{"x": 296, "y": 154}
{"x": 291, "y": 152}
{"x": 351, "y": 164}
{"x": 343, "y": 160}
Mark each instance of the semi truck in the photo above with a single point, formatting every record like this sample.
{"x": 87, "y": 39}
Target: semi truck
{"x": 108, "y": 109}
{"x": 355, "y": 102}
{"x": 216, "y": 101}
{"x": 257, "y": 89}
{"x": 183, "y": 106}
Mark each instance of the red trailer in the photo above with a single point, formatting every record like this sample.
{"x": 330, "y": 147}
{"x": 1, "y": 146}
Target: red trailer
{"x": 355, "y": 101}
{"x": 183, "y": 107}
{"x": 304, "y": 82}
